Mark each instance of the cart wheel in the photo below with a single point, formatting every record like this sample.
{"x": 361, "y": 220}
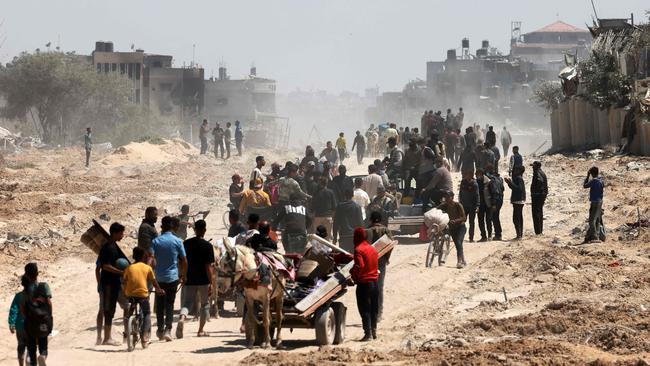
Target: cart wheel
{"x": 240, "y": 301}
{"x": 325, "y": 326}
{"x": 340, "y": 314}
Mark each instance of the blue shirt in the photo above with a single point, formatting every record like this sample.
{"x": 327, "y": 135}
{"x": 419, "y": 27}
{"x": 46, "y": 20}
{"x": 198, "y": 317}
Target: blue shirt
{"x": 596, "y": 187}
{"x": 167, "y": 248}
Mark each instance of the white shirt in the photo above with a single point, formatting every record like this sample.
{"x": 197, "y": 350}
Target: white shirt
{"x": 257, "y": 173}
{"x": 361, "y": 198}
{"x": 370, "y": 184}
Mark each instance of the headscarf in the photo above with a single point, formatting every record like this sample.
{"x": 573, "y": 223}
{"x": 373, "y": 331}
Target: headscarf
{"x": 359, "y": 236}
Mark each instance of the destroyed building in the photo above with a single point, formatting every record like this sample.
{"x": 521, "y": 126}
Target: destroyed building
{"x": 182, "y": 94}
{"x": 491, "y": 86}
{"x": 173, "y": 92}
{"x": 251, "y": 101}
{"x": 607, "y": 99}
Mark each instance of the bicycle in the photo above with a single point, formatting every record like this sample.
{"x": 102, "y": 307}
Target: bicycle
{"x": 135, "y": 325}
{"x": 226, "y": 220}
{"x": 440, "y": 245}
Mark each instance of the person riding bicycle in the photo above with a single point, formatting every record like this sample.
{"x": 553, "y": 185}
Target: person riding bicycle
{"x": 136, "y": 277}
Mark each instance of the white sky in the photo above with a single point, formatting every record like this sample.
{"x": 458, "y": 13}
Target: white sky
{"x": 308, "y": 44}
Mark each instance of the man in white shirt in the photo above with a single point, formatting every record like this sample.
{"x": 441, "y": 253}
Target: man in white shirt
{"x": 360, "y": 197}
{"x": 257, "y": 172}
{"x": 372, "y": 181}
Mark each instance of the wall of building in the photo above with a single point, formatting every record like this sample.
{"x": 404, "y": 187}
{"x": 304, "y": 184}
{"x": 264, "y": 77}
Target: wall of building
{"x": 577, "y": 125}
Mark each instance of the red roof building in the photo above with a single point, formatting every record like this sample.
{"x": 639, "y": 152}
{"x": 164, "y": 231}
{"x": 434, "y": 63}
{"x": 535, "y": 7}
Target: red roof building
{"x": 546, "y": 47}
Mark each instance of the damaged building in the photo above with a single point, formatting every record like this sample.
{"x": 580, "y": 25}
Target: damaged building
{"x": 183, "y": 95}
{"x": 488, "y": 84}
{"x": 607, "y": 102}
{"x": 249, "y": 100}
{"x": 172, "y": 92}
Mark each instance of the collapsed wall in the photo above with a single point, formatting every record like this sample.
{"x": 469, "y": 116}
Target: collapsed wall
{"x": 578, "y": 125}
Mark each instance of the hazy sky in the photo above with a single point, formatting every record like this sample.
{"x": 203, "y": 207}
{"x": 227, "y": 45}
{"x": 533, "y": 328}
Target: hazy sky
{"x": 328, "y": 44}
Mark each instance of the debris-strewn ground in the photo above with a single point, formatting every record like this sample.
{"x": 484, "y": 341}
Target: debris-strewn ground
{"x": 567, "y": 303}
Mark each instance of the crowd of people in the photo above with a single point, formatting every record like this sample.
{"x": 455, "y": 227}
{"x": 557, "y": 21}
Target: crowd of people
{"x": 313, "y": 195}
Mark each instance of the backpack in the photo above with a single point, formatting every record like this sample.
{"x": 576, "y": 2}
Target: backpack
{"x": 38, "y": 314}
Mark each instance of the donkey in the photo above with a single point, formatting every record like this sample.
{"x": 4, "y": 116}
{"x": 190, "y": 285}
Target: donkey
{"x": 239, "y": 261}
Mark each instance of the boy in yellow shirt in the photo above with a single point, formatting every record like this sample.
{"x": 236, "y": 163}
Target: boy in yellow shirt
{"x": 136, "y": 278}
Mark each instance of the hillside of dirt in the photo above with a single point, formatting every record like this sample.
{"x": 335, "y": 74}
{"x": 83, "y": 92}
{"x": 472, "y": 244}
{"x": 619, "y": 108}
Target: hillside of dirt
{"x": 546, "y": 300}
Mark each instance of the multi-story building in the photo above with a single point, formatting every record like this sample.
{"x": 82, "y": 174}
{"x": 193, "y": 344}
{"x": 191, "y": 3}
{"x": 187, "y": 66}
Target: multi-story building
{"x": 153, "y": 81}
{"x": 545, "y": 48}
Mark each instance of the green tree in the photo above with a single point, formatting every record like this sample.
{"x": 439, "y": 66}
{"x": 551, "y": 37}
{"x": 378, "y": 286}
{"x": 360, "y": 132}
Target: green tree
{"x": 60, "y": 91}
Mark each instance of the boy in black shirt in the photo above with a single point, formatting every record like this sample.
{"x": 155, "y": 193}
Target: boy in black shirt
{"x": 200, "y": 270}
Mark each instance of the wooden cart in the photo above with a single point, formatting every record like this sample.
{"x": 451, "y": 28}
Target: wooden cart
{"x": 320, "y": 310}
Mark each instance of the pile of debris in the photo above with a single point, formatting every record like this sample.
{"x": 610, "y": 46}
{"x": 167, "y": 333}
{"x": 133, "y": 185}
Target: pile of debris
{"x": 12, "y": 143}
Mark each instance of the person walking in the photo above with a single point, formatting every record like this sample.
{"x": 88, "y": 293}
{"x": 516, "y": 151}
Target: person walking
{"x": 491, "y": 137}
{"x": 171, "y": 267}
{"x": 203, "y": 136}
{"x": 596, "y": 186}
{"x": 256, "y": 174}
{"x": 347, "y": 217}
{"x": 485, "y": 201}
{"x": 331, "y": 154}
{"x": 495, "y": 188}
{"x": 470, "y": 199}
{"x": 506, "y": 140}
{"x": 360, "y": 143}
{"x": 111, "y": 275}
{"x": 360, "y": 197}
{"x": 254, "y": 197}
{"x": 17, "y": 320}
{"x": 374, "y": 232}
{"x": 341, "y": 183}
{"x": 147, "y": 231}
{"x": 341, "y": 147}
{"x": 365, "y": 274}
{"x": 467, "y": 161}
{"x": 324, "y": 203}
{"x": 457, "y": 228}
{"x": 516, "y": 160}
{"x": 239, "y": 137}
{"x": 88, "y": 145}
{"x": 372, "y": 181}
{"x": 227, "y": 138}
{"x": 517, "y": 199}
{"x": 200, "y": 271}
{"x": 218, "y": 134}
{"x": 538, "y": 193}
{"x": 38, "y": 313}
{"x": 136, "y": 288}
{"x": 293, "y": 220}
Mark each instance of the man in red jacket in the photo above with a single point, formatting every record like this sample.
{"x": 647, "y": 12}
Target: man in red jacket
{"x": 365, "y": 274}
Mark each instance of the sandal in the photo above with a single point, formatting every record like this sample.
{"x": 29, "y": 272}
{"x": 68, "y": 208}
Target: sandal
{"x": 202, "y": 334}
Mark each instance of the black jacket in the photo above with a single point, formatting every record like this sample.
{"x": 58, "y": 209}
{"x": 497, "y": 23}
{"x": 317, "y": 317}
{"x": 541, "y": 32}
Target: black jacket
{"x": 539, "y": 184}
{"x": 518, "y": 188}
{"x": 323, "y": 203}
{"x": 292, "y": 219}
{"x": 346, "y": 218}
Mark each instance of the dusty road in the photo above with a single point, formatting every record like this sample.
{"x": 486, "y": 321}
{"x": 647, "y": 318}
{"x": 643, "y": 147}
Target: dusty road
{"x": 567, "y": 303}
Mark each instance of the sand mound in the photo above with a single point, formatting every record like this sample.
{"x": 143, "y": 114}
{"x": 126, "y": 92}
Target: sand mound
{"x": 136, "y": 153}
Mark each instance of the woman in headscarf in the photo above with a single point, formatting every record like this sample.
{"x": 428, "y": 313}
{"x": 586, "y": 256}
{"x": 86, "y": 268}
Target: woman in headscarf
{"x": 365, "y": 274}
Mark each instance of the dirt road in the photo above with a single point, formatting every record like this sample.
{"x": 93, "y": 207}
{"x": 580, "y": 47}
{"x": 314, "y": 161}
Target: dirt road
{"x": 567, "y": 303}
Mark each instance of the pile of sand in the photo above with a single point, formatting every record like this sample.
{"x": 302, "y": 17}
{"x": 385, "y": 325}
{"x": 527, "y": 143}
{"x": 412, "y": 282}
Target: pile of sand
{"x": 137, "y": 153}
